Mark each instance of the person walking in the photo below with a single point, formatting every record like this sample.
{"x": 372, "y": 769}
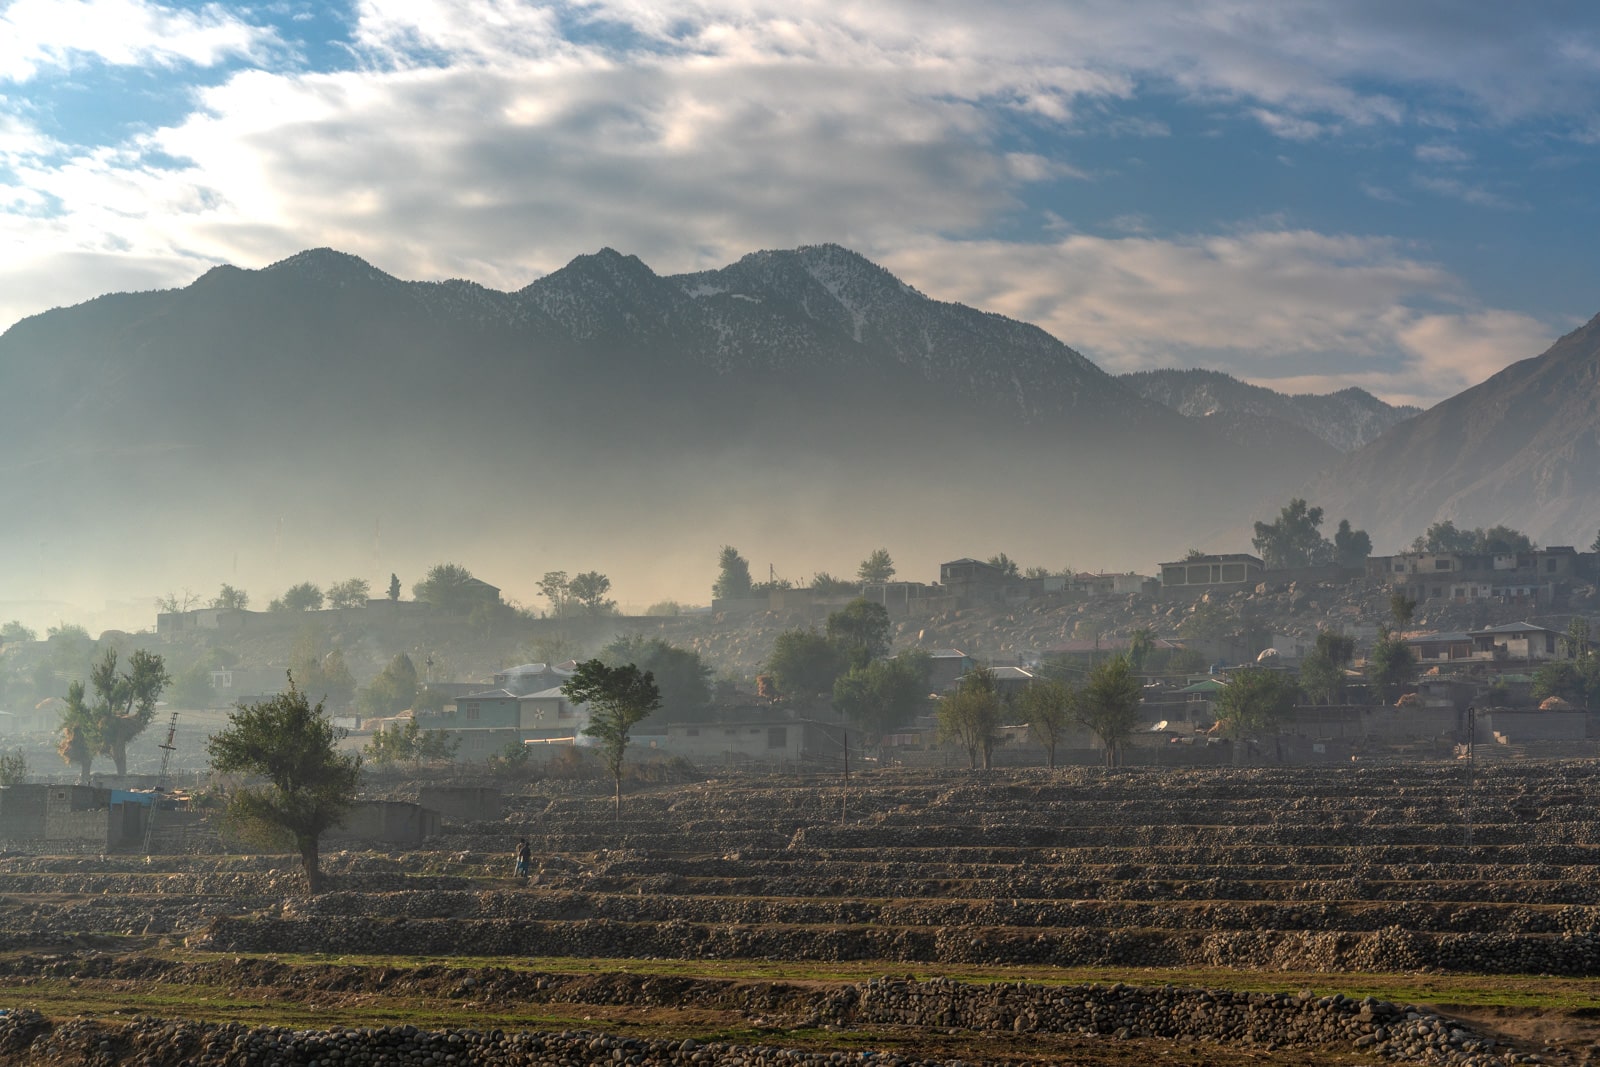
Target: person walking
{"x": 524, "y": 858}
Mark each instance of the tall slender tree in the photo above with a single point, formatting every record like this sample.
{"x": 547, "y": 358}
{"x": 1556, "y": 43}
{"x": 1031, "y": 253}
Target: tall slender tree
{"x": 618, "y": 698}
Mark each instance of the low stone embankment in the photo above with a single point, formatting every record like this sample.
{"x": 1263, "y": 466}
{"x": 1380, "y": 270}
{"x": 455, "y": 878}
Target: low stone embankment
{"x": 1388, "y": 950}
{"x": 1253, "y": 1020}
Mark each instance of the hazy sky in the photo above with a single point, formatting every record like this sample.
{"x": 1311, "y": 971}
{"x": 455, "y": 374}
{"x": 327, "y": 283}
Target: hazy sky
{"x": 1394, "y": 195}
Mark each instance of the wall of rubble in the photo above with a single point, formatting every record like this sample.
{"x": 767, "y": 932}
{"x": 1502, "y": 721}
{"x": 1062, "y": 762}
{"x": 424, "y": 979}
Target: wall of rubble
{"x": 1119, "y": 1012}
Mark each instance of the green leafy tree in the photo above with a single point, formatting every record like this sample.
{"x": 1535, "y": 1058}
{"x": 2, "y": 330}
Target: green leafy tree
{"x": 1050, "y": 709}
{"x": 860, "y": 630}
{"x": 1108, "y": 705}
{"x": 14, "y": 632}
{"x": 13, "y": 768}
{"x": 449, "y": 587}
{"x": 1006, "y": 565}
{"x": 1402, "y": 608}
{"x": 1253, "y": 700}
{"x": 1577, "y": 638}
{"x": 309, "y": 785}
{"x": 1390, "y": 665}
{"x": 124, "y": 703}
{"x": 1502, "y": 539}
{"x": 589, "y": 590}
{"x": 192, "y": 688}
{"x": 350, "y": 593}
{"x": 556, "y": 587}
{"x": 1561, "y": 678}
{"x": 411, "y": 744}
{"x": 681, "y": 676}
{"x": 877, "y": 567}
{"x": 664, "y": 608}
{"x": 1292, "y": 539}
{"x": 971, "y": 717}
{"x": 231, "y": 599}
{"x": 1141, "y": 643}
{"x": 1322, "y": 672}
{"x": 1351, "y": 547}
{"x": 303, "y": 597}
{"x": 394, "y": 587}
{"x": 825, "y": 584}
{"x": 321, "y": 670}
{"x": 733, "y": 575}
{"x": 885, "y": 694}
{"x": 618, "y": 698}
{"x": 392, "y": 691}
{"x": 804, "y": 664}
{"x": 80, "y": 733}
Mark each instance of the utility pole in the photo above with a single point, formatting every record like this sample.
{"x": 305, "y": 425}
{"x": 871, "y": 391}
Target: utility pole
{"x": 1472, "y": 737}
{"x": 167, "y": 748}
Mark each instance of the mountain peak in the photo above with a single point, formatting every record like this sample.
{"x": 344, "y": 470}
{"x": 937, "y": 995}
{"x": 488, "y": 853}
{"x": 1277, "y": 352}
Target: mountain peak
{"x": 327, "y": 265}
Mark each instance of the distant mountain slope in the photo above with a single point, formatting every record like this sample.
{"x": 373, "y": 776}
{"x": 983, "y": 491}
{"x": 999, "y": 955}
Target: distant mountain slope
{"x": 319, "y": 418}
{"x": 1344, "y": 420}
{"x": 1522, "y": 448}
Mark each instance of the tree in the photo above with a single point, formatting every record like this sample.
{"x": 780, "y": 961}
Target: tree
{"x": 1006, "y": 565}
{"x": 350, "y": 593}
{"x": 192, "y": 688}
{"x": 1351, "y": 547}
{"x": 449, "y": 587}
{"x": 804, "y": 663}
{"x": 825, "y": 584}
{"x": 1322, "y": 672}
{"x": 230, "y": 598}
{"x": 1561, "y": 678}
{"x": 14, "y": 632}
{"x": 394, "y": 586}
{"x": 1049, "y": 708}
{"x": 1108, "y": 706}
{"x": 971, "y": 717}
{"x": 589, "y": 590}
{"x": 322, "y": 673}
{"x": 885, "y": 694}
{"x": 1292, "y": 539}
{"x": 618, "y": 698}
{"x": 392, "y": 691}
{"x": 80, "y": 733}
{"x": 309, "y": 785}
{"x": 13, "y": 768}
{"x": 556, "y": 588}
{"x": 124, "y": 703}
{"x": 1140, "y": 644}
{"x": 1253, "y": 700}
{"x": 877, "y": 567}
{"x": 1389, "y": 665}
{"x": 1577, "y": 637}
{"x": 733, "y": 575}
{"x": 860, "y": 631}
{"x": 1402, "y": 608}
{"x": 682, "y": 678}
{"x": 302, "y": 597}
{"x": 174, "y": 603}
{"x": 412, "y": 744}
{"x": 664, "y": 608}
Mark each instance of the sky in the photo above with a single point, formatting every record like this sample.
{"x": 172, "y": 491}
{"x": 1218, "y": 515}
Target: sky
{"x": 1396, "y": 196}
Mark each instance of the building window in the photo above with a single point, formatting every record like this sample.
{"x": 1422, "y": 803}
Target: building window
{"x": 777, "y": 737}
{"x": 693, "y": 731}
{"x": 470, "y": 710}
{"x": 1441, "y": 564}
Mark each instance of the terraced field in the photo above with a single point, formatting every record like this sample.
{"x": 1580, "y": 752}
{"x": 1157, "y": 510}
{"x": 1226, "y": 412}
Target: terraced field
{"x": 1288, "y": 916}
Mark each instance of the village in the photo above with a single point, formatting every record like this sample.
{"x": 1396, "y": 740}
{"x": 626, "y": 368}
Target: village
{"x": 1489, "y": 658}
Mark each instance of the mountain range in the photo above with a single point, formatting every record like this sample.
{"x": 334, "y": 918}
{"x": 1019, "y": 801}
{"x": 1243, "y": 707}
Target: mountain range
{"x": 319, "y": 418}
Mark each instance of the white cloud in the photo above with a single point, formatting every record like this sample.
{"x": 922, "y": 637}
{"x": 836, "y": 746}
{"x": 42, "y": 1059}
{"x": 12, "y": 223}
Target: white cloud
{"x": 1440, "y": 152}
{"x": 36, "y": 35}
{"x": 1466, "y": 192}
{"x": 1264, "y": 304}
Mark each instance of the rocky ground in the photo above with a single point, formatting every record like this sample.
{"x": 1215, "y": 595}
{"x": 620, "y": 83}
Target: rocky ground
{"x": 1350, "y": 915}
